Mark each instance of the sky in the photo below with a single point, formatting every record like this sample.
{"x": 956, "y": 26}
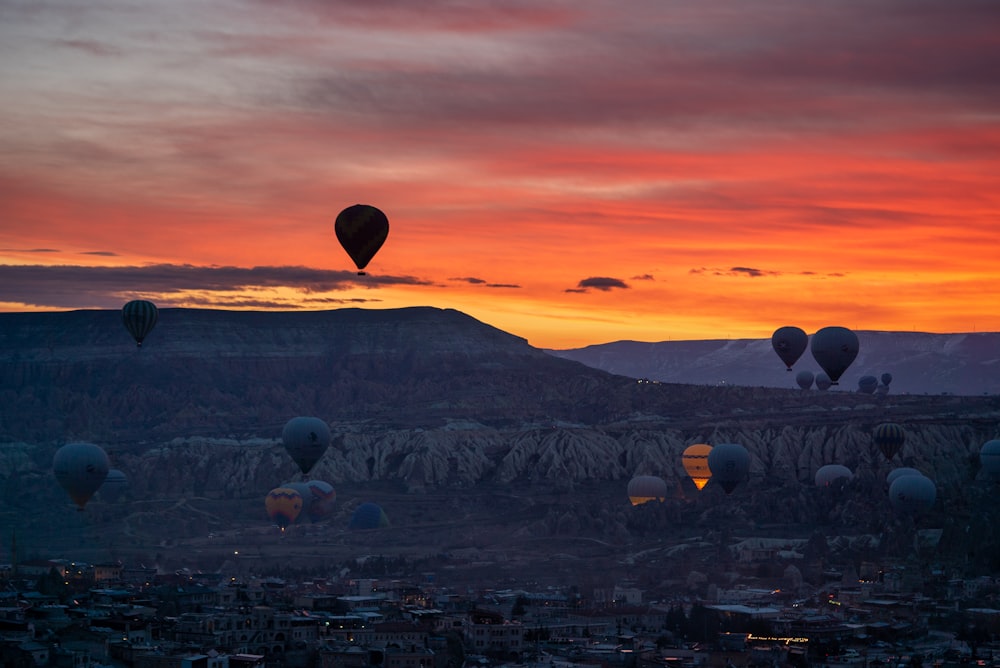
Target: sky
{"x": 573, "y": 173}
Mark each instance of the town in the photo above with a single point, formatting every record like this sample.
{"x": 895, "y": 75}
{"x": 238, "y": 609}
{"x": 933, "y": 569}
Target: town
{"x": 373, "y": 613}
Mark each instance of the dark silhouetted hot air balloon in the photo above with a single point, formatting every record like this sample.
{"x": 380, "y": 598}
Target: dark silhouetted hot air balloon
{"x": 834, "y": 349}
{"x": 368, "y": 515}
{"x": 804, "y": 379}
{"x": 306, "y": 439}
{"x": 730, "y": 464}
{"x": 989, "y": 458}
{"x": 897, "y": 473}
{"x": 889, "y": 437}
{"x": 645, "y": 488}
{"x": 867, "y": 384}
{"x": 789, "y": 343}
{"x": 912, "y": 494}
{"x": 80, "y": 469}
{"x": 823, "y": 382}
{"x": 695, "y": 461}
{"x": 886, "y": 378}
{"x": 283, "y": 506}
{"x": 361, "y": 229}
{"x": 114, "y": 486}
{"x": 139, "y": 317}
{"x": 828, "y": 475}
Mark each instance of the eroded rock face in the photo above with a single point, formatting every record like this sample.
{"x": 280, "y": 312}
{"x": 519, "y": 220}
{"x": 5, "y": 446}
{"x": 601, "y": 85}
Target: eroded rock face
{"x": 432, "y": 402}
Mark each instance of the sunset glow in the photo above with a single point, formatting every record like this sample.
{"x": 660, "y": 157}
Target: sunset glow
{"x": 576, "y": 174}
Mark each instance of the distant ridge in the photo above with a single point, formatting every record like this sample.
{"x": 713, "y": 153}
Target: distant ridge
{"x": 920, "y": 362}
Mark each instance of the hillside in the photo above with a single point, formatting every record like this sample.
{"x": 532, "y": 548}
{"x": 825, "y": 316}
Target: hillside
{"x": 467, "y": 435}
{"x": 920, "y": 363}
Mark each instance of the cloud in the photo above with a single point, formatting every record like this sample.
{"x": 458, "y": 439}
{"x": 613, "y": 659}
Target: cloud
{"x": 601, "y": 283}
{"x": 102, "y": 253}
{"x": 91, "y": 47}
{"x": 73, "y": 286}
{"x": 753, "y": 272}
{"x": 643, "y": 277}
{"x": 750, "y": 271}
{"x": 478, "y": 281}
{"x": 29, "y": 250}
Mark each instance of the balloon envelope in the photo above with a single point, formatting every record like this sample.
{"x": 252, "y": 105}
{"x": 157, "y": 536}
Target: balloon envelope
{"x": 867, "y": 384}
{"x": 361, "y": 229}
{"x": 695, "y": 461}
{"x": 323, "y": 498}
{"x": 989, "y": 458}
{"x": 897, "y": 473}
{"x": 368, "y": 516}
{"x": 114, "y": 486}
{"x": 139, "y": 317}
{"x": 829, "y": 474}
{"x": 912, "y": 494}
{"x": 834, "y": 349}
{"x": 646, "y": 488}
{"x": 886, "y": 378}
{"x": 283, "y": 506}
{"x": 80, "y": 469}
{"x": 823, "y": 382}
{"x": 789, "y": 343}
{"x": 889, "y": 437}
{"x": 729, "y": 463}
{"x": 804, "y": 379}
{"x": 306, "y": 439}
{"x": 303, "y": 489}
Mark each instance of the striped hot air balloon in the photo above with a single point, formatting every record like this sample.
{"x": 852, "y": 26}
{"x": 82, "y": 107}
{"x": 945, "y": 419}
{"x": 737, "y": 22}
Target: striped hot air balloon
{"x": 889, "y": 437}
{"x": 139, "y": 317}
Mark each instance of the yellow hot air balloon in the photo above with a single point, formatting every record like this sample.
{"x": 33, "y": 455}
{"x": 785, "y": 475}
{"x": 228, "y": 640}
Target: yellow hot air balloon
{"x": 695, "y": 460}
{"x": 283, "y": 506}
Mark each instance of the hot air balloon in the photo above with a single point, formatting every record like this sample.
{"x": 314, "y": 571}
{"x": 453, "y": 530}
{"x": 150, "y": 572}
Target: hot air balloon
{"x": 80, "y": 469}
{"x": 306, "y": 439}
{"x": 886, "y": 378}
{"x": 729, "y": 463}
{"x": 695, "y": 461}
{"x": 139, "y": 317}
{"x": 368, "y": 515}
{"x": 823, "y": 382}
{"x": 834, "y": 349}
{"x": 804, "y": 379}
{"x": 645, "y": 488}
{"x": 789, "y": 343}
{"x": 912, "y": 494}
{"x": 867, "y": 384}
{"x": 304, "y": 493}
{"x": 989, "y": 458}
{"x": 828, "y": 475}
{"x": 114, "y": 486}
{"x": 323, "y": 498}
{"x": 889, "y": 437}
{"x": 897, "y": 473}
{"x": 361, "y": 229}
{"x": 283, "y": 506}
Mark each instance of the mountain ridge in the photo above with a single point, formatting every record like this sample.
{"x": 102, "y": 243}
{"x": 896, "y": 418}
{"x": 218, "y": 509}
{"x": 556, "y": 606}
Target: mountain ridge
{"x": 920, "y": 363}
